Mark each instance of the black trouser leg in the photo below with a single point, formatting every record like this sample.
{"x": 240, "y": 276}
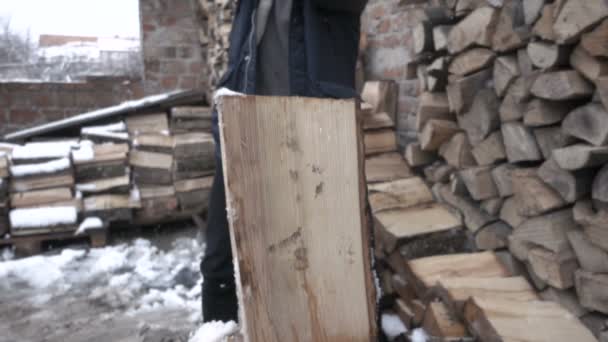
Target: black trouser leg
{"x": 219, "y": 290}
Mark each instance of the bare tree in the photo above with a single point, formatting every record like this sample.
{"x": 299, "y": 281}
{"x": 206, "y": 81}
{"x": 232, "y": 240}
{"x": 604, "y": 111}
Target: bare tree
{"x": 14, "y": 47}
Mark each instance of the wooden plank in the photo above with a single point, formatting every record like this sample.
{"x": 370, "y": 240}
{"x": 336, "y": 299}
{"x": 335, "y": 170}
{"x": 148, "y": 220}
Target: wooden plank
{"x": 147, "y": 123}
{"x": 378, "y": 121}
{"x": 382, "y": 141}
{"x": 92, "y": 172}
{"x": 103, "y": 153}
{"x": 386, "y": 167}
{"x": 118, "y": 184}
{"x": 41, "y": 183}
{"x": 151, "y": 160}
{"x": 41, "y": 197}
{"x": 150, "y": 192}
{"x": 158, "y": 143}
{"x": 194, "y": 145}
{"x": 110, "y": 202}
{"x": 424, "y": 273}
{"x": 493, "y": 319}
{"x": 403, "y": 193}
{"x": 193, "y": 184}
{"x": 191, "y": 112}
{"x": 317, "y": 243}
{"x": 194, "y": 167}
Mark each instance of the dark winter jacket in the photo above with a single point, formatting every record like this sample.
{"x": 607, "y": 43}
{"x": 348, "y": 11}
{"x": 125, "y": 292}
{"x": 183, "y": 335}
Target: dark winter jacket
{"x": 323, "y": 45}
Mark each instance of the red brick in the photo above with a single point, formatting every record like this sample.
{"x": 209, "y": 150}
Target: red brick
{"x": 188, "y": 82}
{"x": 196, "y": 68}
{"x": 169, "y": 82}
{"x": 21, "y": 117}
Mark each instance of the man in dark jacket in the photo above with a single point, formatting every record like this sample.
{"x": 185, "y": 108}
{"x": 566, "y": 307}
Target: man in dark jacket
{"x": 277, "y": 47}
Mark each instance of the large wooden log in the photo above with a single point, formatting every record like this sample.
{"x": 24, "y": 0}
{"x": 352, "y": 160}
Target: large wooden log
{"x": 482, "y": 118}
{"x": 506, "y": 70}
{"x": 580, "y": 156}
{"x": 562, "y": 85}
{"x": 91, "y": 172}
{"x": 193, "y": 194}
{"x": 328, "y": 169}
{"x": 549, "y": 231}
{"x": 194, "y": 145}
{"x": 457, "y": 152}
{"x": 462, "y": 91}
{"x": 545, "y": 113}
{"x": 486, "y": 318}
{"x": 520, "y": 144}
{"x": 156, "y": 123}
{"x": 570, "y": 185}
{"x": 575, "y": 17}
{"x": 41, "y": 183}
{"x": 595, "y": 41}
{"x": 491, "y": 150}
{"x": 502, "y": 178}
{"x": 437, "y": 132}
{"x": 588, "y": 123}
{"x": 471, "y": 61}
{"x": 191, "y": 168}
{"x": 534, "y": 196}
{"x": 432, "y": 106}
{"x": 589, "y": 66}
{"x": 551, "y": 138}
{"x": 151, "y": 168}
{"x": 476, "y": 29}
{"x": 40, "y": 197}
{"x": 158, "y": 143}
{"x": 545, "y": 55}
{"x": 590, "y": 257}
{"x": 479, "y": 182}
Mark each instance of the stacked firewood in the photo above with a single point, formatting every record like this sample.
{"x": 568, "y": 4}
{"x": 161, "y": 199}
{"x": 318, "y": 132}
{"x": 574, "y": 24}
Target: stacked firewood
{"x": 217, "y": 19}
{"x": 148, "y": 169}
{"x": 4, "y": 173}
{"x": 41, "y": 186}
{"x": 513, "y": 135}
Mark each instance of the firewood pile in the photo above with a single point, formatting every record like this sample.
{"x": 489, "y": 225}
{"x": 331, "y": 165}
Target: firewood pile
{"x": 146, "y": 169}
{"x": 512, "y": 137}
{"x": 217, "y": 19}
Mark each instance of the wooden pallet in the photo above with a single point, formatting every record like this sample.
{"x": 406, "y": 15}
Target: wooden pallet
{"x": 27, "y": 245}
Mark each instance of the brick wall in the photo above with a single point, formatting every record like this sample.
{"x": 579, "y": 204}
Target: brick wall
{"x": 389, "y": 28}
{"x": 27, "y": 104}
{"x": 170, "y": 44}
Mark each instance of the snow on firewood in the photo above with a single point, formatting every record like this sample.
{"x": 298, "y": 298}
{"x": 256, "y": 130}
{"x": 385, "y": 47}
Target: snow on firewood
{"x": 44, "y": 150}
{"x": 43, "y": 217}
{"x": 419, "y": 335}
{"x": 115, "y": 127}
{"x": 88, "y": 224}
{"x": 52, "y": 166}
{"x": 85, "y": 152}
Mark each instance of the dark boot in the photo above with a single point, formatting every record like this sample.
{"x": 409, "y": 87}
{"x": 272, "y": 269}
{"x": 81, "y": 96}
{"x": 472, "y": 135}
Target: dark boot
{"x": 219, "y": 301}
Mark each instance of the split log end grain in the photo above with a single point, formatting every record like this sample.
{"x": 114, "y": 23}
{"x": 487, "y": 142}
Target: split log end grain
{"x": 520, "y": 144}
{"x": 562, "y": 85}
{"x": 476, "y": 29}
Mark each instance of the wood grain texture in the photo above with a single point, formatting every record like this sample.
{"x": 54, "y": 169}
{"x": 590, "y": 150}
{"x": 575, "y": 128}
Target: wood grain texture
{"x": 296, "y": 203}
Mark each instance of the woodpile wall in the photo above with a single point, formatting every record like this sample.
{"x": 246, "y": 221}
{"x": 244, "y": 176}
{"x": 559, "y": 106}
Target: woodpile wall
{"x": 513, "y": 137}
{"x": 147, "y": 169}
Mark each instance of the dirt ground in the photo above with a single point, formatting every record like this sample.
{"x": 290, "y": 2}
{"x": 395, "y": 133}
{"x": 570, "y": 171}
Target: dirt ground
{"x": 89, "y": 310}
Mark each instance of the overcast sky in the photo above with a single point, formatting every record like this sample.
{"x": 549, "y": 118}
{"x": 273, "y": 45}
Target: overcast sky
{"x": 74, "y": 17}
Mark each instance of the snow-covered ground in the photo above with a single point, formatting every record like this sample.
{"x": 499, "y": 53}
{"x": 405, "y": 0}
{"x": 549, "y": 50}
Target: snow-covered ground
{"x": 129, "y": 292}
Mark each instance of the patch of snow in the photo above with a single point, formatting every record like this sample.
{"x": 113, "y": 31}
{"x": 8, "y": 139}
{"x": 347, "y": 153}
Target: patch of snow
{"x": 42, "y": 150}
{"x": 88, "y": 224}
{"x": 392, "y": 326}
{"x": 39, "y": 271}
{"x": 214, "y": 332}
{"x": 43, "y": 217}
{"x": 84, "y": 153}
{"x": 111, "y": 135}
{"x": 115, "y": 127}
{"x": 7, "y": 254}
{"x": 224, "y": 92}
{"x": 52, "y": 166}
{"x": 419, "y": 335}
{"x": 135, "y": 195}
{"x": 89, "y": 187}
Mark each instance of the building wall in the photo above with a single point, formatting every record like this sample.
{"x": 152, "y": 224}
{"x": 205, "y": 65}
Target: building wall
{"x": 24, "y": 105}
{"x": 389, "y": 28}
{"x": 171, "y": 46}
